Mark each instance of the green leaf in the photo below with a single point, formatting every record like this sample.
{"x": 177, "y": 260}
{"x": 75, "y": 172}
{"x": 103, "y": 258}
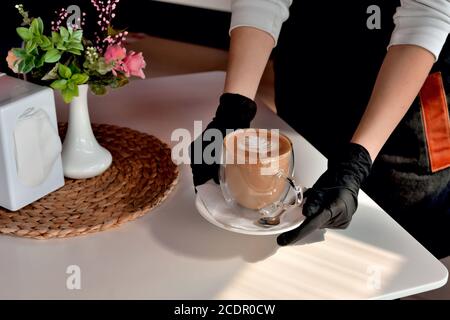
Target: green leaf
{"x": 52, "y": 56}
{"x": 67, "y": 95}
{"x": 19, "y": 53}
{"x": 71, "y": 90}
{"x": 98, "y": 89}
{"x": 61, "y": 47}
{"x": 24, "y": 33}
{"x": 38, "y": 40}
{"x": 26, "y": 65}
{"x": 37, "y": 26}
{"x": 74, "y": 68}
{"x": 16, "y": 63}
{"x": 64, "y": 33}
{"x": 30, "y": 58}
{"x": 21, "y": 66}
{"x": 74, "y": 51}
{"x": 77, "y": 35}
{"x": 59, "y": 84}
{"x": 76, "y": 45}
{"x": 64, "y": 71}
{"x": 46, "y": 43}
{"x": 71, "y": 85}
{"x": 40, "y": 61}
{"x": 41, "y": 25}
{"x": 80, "y": 78}
{"x": 30, "y": 46}
{"x": 56, "y": 38}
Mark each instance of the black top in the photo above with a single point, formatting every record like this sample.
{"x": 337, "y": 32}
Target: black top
{"x": 326, "y": 64}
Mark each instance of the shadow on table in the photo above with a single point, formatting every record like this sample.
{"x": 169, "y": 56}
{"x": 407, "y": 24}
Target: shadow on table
{"x": 185, "y": 232}
{"x": 355, "y": 254}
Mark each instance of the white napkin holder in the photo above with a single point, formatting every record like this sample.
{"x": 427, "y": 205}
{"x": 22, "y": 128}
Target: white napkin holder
{"x": 30, "y": 148}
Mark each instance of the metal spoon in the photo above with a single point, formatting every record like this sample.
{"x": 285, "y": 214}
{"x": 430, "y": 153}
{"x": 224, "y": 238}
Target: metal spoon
{"x": 276, "y": 220}
{"x": 272, "y": 221}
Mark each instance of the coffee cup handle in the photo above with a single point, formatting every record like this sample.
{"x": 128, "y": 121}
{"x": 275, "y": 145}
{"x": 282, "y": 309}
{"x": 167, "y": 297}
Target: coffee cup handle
{"x": 281, "y": 206}
{"x": 298, "y": 191}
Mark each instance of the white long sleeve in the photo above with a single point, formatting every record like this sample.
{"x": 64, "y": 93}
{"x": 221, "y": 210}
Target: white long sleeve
{"x": 425, "y": 23}
{"x": 266, "y": 15}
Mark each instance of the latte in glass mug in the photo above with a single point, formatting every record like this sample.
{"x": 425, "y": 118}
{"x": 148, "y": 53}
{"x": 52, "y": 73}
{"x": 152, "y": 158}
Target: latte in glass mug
{"x": 256, "y": 169}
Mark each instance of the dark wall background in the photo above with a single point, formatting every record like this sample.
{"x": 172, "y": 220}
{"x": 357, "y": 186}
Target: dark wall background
{"x": 182, "y": 23}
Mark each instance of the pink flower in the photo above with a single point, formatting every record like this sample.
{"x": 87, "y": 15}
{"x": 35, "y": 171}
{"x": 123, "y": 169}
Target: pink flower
{"x": 12, "y": 59}
{"x": 133, "y": 65}
{"x": 130, "y": 64}
{"x": 115, "y": 54}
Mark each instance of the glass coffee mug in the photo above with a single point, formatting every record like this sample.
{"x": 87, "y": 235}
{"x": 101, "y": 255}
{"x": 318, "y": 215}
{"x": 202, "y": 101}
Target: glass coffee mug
{"x": 256, "y": 172}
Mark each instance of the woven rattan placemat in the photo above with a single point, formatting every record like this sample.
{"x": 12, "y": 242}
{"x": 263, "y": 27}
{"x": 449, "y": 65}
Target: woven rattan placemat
{"x": 140, "y": 178}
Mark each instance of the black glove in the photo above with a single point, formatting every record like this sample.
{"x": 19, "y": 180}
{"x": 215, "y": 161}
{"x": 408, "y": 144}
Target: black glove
{"x": 333, "y": 199}
{"x": 234, "y": 112}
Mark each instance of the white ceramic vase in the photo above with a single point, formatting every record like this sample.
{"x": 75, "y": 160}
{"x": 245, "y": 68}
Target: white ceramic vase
{"x": 82, "y": 156}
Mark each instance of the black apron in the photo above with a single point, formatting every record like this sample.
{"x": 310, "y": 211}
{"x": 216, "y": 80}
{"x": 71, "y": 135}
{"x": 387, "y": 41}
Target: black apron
{"x": 326, "y": 64}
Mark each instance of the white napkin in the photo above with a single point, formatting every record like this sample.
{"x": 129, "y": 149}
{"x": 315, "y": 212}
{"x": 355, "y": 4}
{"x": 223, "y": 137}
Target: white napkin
{"x": 37, "y": 146}
{"x": 245, "y": 219}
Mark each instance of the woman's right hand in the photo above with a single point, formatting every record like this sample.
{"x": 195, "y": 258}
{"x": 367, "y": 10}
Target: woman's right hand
{"x": 235, "y": 111}
{"x": 249, "y": 52}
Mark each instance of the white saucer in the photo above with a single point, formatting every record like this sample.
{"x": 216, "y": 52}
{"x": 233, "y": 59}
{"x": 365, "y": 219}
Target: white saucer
{"x": 222, "y": 216}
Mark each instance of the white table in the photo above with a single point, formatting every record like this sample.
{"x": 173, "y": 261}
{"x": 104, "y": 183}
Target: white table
{"x": 173, "y": 253}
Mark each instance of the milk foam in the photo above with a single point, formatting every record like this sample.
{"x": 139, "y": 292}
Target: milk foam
{"x": 257, "y": 144}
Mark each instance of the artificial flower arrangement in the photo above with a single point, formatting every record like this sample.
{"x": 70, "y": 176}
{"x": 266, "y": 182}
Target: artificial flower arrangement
{"x": 70, "y": 59}
{"x": 65, "y": 59}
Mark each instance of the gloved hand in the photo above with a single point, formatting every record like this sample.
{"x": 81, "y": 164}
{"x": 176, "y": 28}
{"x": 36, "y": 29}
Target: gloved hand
{"x": 234, "y": 112}
{"x": 333, "y": 199}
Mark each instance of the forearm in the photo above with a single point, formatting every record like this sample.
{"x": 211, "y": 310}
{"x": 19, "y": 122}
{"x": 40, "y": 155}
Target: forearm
{"x": 404, "y": 70}
{"x": 250, "y": 50}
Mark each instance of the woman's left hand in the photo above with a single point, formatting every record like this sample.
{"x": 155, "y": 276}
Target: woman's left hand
{"x": 333, "y": 199}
